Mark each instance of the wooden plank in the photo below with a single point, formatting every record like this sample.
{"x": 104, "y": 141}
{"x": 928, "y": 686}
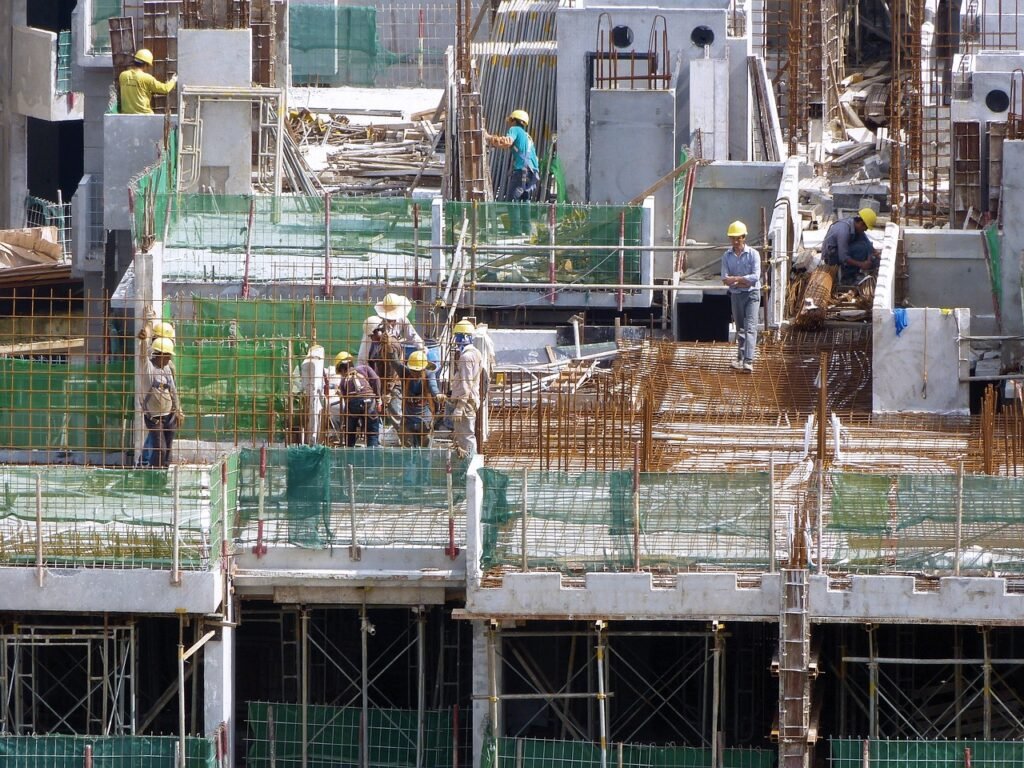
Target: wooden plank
{"x": 55, "y": 346}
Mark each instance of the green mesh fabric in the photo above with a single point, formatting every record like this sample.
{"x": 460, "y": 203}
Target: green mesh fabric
{"x": 594, "y": 228}
{"x": 107, "y": 751}
{"x": 332, "y": 736}
{"x": 995, "y": 269}
{"x": 934, "y": 498}
{"x": 860, "y": 502}
{"x": 335, "y": 46}
{"x": 99, "y": 28}
{"x": 545, "y": 753}
{"x": 848, "y": 753}
{"x": 151, "y": 192}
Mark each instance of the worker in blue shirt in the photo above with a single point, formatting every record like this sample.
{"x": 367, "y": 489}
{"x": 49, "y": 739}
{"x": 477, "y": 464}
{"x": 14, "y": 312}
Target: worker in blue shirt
{"x": 525, "y": 168}
{"x": 847, "y": 245}
{"x": 741, "y": 274}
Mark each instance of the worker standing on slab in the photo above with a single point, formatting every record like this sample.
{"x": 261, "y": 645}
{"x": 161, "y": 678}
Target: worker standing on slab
{"x": 525, "y": 169}
{"x": 741, "y": 274}
{"x": 465, "y": 398}
{"x": 848, "y": 246}
{"x": 161, "y": 409}
{"x": 137, "y": 86}
{"x": 359, "y": 395}
{"x": 420, "y": 398}
{"x": 393, "y": 310}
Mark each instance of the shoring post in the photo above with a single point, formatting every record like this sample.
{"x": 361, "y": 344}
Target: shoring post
{"x": 819, "y": 525}
{"x": 622, "y": 259}
{"x": 771, "y": 514}
{"x": 328, "y": 282}
{"x": 176, "y": 531}
{"x": 716, "y": 691}
{"x": 416, "y": 292}
{"x": 225, "y": 553}
{"x": 552, "y": 272}
{"x": 421, "y": 682}
{"x": 492, "y": 676}
{"x": 248, "y": 247}
{"x": 178, "y": 752}
{"x": 455, "y": 736}
{"x": 986, "y": 691}
{"x": 958, "y": 546}
{"x": 39, "y": 528}
{"x": 180, "y": 758}
{"x": 452, "y": 551}
{"x": 271, "y": 737}
{"x": 822, "y": 417}
{"x": 304, "y": 687}
{"x": 872, "y": 684}
{"x": 636, "y": 506}
{"x": 354, "y": 550}
{"x": 619, "y": 756}
{"x": 87, "y": 756}
{"x": 524, "y": 519}
{"x": 602, "y": 697}
{"x": 261, "y": 548}
{"x": 865, "y": 754}
{"x": 364, "y": 683}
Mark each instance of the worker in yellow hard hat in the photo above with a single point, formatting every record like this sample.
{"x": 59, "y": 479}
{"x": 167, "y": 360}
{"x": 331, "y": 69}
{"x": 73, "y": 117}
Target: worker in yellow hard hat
{"x": 421, "y": 397}
{"x": 137, "y": 86}
{"x": 359, "y": 398}
{"x": 741, "y": 275}
{"x": 847, "y": 245}
{"x": 525, "y": 176}
{"x": 465, "y": 388}
{"x": 161, "y": 409}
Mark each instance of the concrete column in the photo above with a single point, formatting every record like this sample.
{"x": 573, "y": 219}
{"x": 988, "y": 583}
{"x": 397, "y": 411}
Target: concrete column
{"x": 219, "y": 688}
{"x": 482, "y": 685}
{"x": 13, "y": 127}
{"x": 1013, "y": 239}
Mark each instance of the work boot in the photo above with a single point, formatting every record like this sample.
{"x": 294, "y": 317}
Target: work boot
{"x": 737, "y": 364}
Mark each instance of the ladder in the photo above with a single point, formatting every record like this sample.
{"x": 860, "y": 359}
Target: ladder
{"x": 794, "y": 671}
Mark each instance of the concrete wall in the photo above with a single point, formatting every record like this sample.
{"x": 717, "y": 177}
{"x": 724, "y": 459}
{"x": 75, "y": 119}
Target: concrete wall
{"x": 131, "y": 145}
{"x": 13, "y": 139}
{"x": 221, "y": 58}
{"x": 1013, "y": 241}
{"x": 34, "y": 78}
{"x": 990, "y": 70}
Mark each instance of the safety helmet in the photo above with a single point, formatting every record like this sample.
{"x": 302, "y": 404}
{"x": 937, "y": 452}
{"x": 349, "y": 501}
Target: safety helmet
{"x": 464, "y": 326}
{"x": 393, "y": 306}
{"x": 163, "y": 330}
{"x": 737, "y": 229}
{"x": 145, "y": 56}
{"x": 521, "y": 115}
{"x": 868, "y": 216}
{"x": 342, "y": 357}
{"x": 163, "y": 346}
{"x": 418, "y": 360}
{"x": 371, "y": 324}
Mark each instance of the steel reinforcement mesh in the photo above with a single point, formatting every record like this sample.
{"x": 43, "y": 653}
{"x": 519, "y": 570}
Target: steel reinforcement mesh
{"x": 581, "y": 521}
{"x": 107, "y": 751}
{"x": 917, "y": 522}
{"x": 392, "y": 496}
{"x": 849, "y": 753}
{"x": 552, "y": 753}
{"x": 275, "y": 737}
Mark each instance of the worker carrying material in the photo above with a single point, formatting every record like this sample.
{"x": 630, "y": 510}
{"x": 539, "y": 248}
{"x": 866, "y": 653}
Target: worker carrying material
{"x": 421, "y": 396}
{"x": 359, "y": 397}
{"x": 161, "y": 409}
{"x": 137, "y": 86}
{"x": 741, "y": 274}
{"x": 847, "y": 245}
{"x": 465, "y": 388}
{"x": 525, "y": 176}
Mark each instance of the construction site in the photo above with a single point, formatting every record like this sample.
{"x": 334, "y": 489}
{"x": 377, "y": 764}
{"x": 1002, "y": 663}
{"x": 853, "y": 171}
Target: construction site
{"x": 654, "y": 556}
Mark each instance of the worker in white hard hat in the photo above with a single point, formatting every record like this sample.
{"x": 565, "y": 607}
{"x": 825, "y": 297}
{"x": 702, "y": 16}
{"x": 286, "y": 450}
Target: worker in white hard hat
{"x": 525, "y": 176}
{"x": 137, "y": 86}
{"x": 359, "y": 396}
{"x": 393, "y": 310}
{"x": 465, "y": 388}
{"x": 741, "y": 274}
{"x": 848, "y": 246}
{"x": 159, "y": 404}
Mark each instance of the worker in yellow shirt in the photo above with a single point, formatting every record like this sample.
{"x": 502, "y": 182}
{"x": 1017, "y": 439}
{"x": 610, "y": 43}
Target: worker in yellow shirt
{"x": 138, "y": 86}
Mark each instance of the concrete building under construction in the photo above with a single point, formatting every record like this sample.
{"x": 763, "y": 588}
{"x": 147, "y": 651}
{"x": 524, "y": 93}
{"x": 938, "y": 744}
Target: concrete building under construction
{"x": 654, "y": 558}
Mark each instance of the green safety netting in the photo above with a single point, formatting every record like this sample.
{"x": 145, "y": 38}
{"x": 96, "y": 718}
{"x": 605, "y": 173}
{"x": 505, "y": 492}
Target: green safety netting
{"x": 983, "y": 499}
{"x": 594, "y": 228}
{"x": 552, "y": 753}
{"x": 848, "y": 753}
{"x": 63, "y": 407}
{"x": 860, "y": 502}
{"x": 335, "y": 46}
{"x": 995, "y": 268}
{"x": 332, "y": 737}
{"x": 107, "y": 751}
{"x": 584, "y": 520}
{"x": 99, "y": 28}
{"x": 150, "y": 191}
{"x": 400, "y": 495}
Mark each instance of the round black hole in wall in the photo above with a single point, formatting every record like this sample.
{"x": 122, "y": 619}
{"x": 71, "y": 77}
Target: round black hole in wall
{"x": 702, "y": 36}
{"x": 997, "y": 100}
{"x": 622, "y": 37}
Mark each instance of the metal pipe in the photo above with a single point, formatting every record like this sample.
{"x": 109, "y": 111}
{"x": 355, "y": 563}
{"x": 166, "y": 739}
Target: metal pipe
{"x": 181, "y": 692}
{"x": 585, "y": 287}
{"x": 601, "y": 697}
{"x": 261, "y": 549}
{"x": 872, "y": 685}
{"x": 771, "y": 514}
{"x": 304, "y": 685}
{"x": 364, "y": 684}
{"x": 552, "y": 274}
{"x": 492, "y": 670}
{"x": 524, "y": 519}
{"x": 716, "y": 692}
{"x": 958, "y": 551}
{"x": 421, "y": 683}
{"x": 622, "y": 256}
{"x": 328, "y": 285}
{"x": 176, "y": 531}
{"x": 636, "y": 506}
{"x": 354, "y": 550}
{"x": 39, "y": 528}
{"x": 986, "y": 690}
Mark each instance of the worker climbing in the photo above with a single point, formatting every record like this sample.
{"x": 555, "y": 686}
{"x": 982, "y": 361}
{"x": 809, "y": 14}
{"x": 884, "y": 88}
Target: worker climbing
{"x": 137, "y": 86}
{"x": 523, "y": 181}
{"x": 741, "y": 274}
{"x": 359, "y": 395}
{"x": 465, "y": 388}
{"x": 847, "y": 245}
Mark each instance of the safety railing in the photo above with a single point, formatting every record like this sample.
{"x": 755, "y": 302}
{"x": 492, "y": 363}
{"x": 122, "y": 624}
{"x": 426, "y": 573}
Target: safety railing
{"x": 76, "y": 751}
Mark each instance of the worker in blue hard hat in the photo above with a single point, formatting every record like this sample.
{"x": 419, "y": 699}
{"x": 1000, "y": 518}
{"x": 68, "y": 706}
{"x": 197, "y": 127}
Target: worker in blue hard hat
{"x": 137, "y": 86}
{"x": 525, "y": 177}
{"x": 848, "y": 246}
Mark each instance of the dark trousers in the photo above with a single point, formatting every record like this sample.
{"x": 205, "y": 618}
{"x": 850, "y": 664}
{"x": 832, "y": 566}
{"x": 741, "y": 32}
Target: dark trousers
{"x": 363, "y": 418}
{"x": 519, "y": 189}
{"x": 160, "y": 430}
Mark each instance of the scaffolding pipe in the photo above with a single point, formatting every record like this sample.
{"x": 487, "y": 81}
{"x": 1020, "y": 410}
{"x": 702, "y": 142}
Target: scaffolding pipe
{"x": 176, "y": 531}
{"x": 872, "y": 685}
{"x": 552, "y": 274}
{"x": 716, "y": 691}
{"x": 39, "y": 528}
{"x": 987, "y": 685}
{"x": 452, "y": 550}
{"x": 492, "y": 676}
{"x": 328, "y": 286}
{"x": 248, "y": 248}
{"x": 622, "y": 257}
{"x": 354, "y": 550}
{"x": 260, "y": 548}
{"x": 304, "y": 685}
{"x": 180, "y": 762}
{"x": 524, "y": 513}
{"x": 636, "y": 506}
{"x": 364, "y": 684}
{"x": 421, "y": 682}
{"x": 602, "y": 711}
{"x": 958, "y": 546}
{"x": 771, "y": 514}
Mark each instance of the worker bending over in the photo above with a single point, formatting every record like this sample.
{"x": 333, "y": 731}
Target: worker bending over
{"x": 359, "y": 396}
{"x": 465, "y": 398}
{"x": 848, "y": 246}
{"x": 137, "y": 86}
{"x": 525, "y": 169}
{"x": 741, "y": 274}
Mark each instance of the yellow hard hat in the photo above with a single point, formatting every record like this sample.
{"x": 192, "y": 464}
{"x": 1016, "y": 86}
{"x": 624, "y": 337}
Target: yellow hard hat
{"x": 145, "y": 56}
{"x": 418, "y": 360}
{"x": 868, "y": 216}
{"x": 464, "y": 326}
{"x": 163, "y": 330}
{"x": 342, "y": 357}
{"x": 521, "y": 115}
{"x": 393, "y": 306}
{"x": 163, "y": 346}
{"x": 737, "y": 229}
